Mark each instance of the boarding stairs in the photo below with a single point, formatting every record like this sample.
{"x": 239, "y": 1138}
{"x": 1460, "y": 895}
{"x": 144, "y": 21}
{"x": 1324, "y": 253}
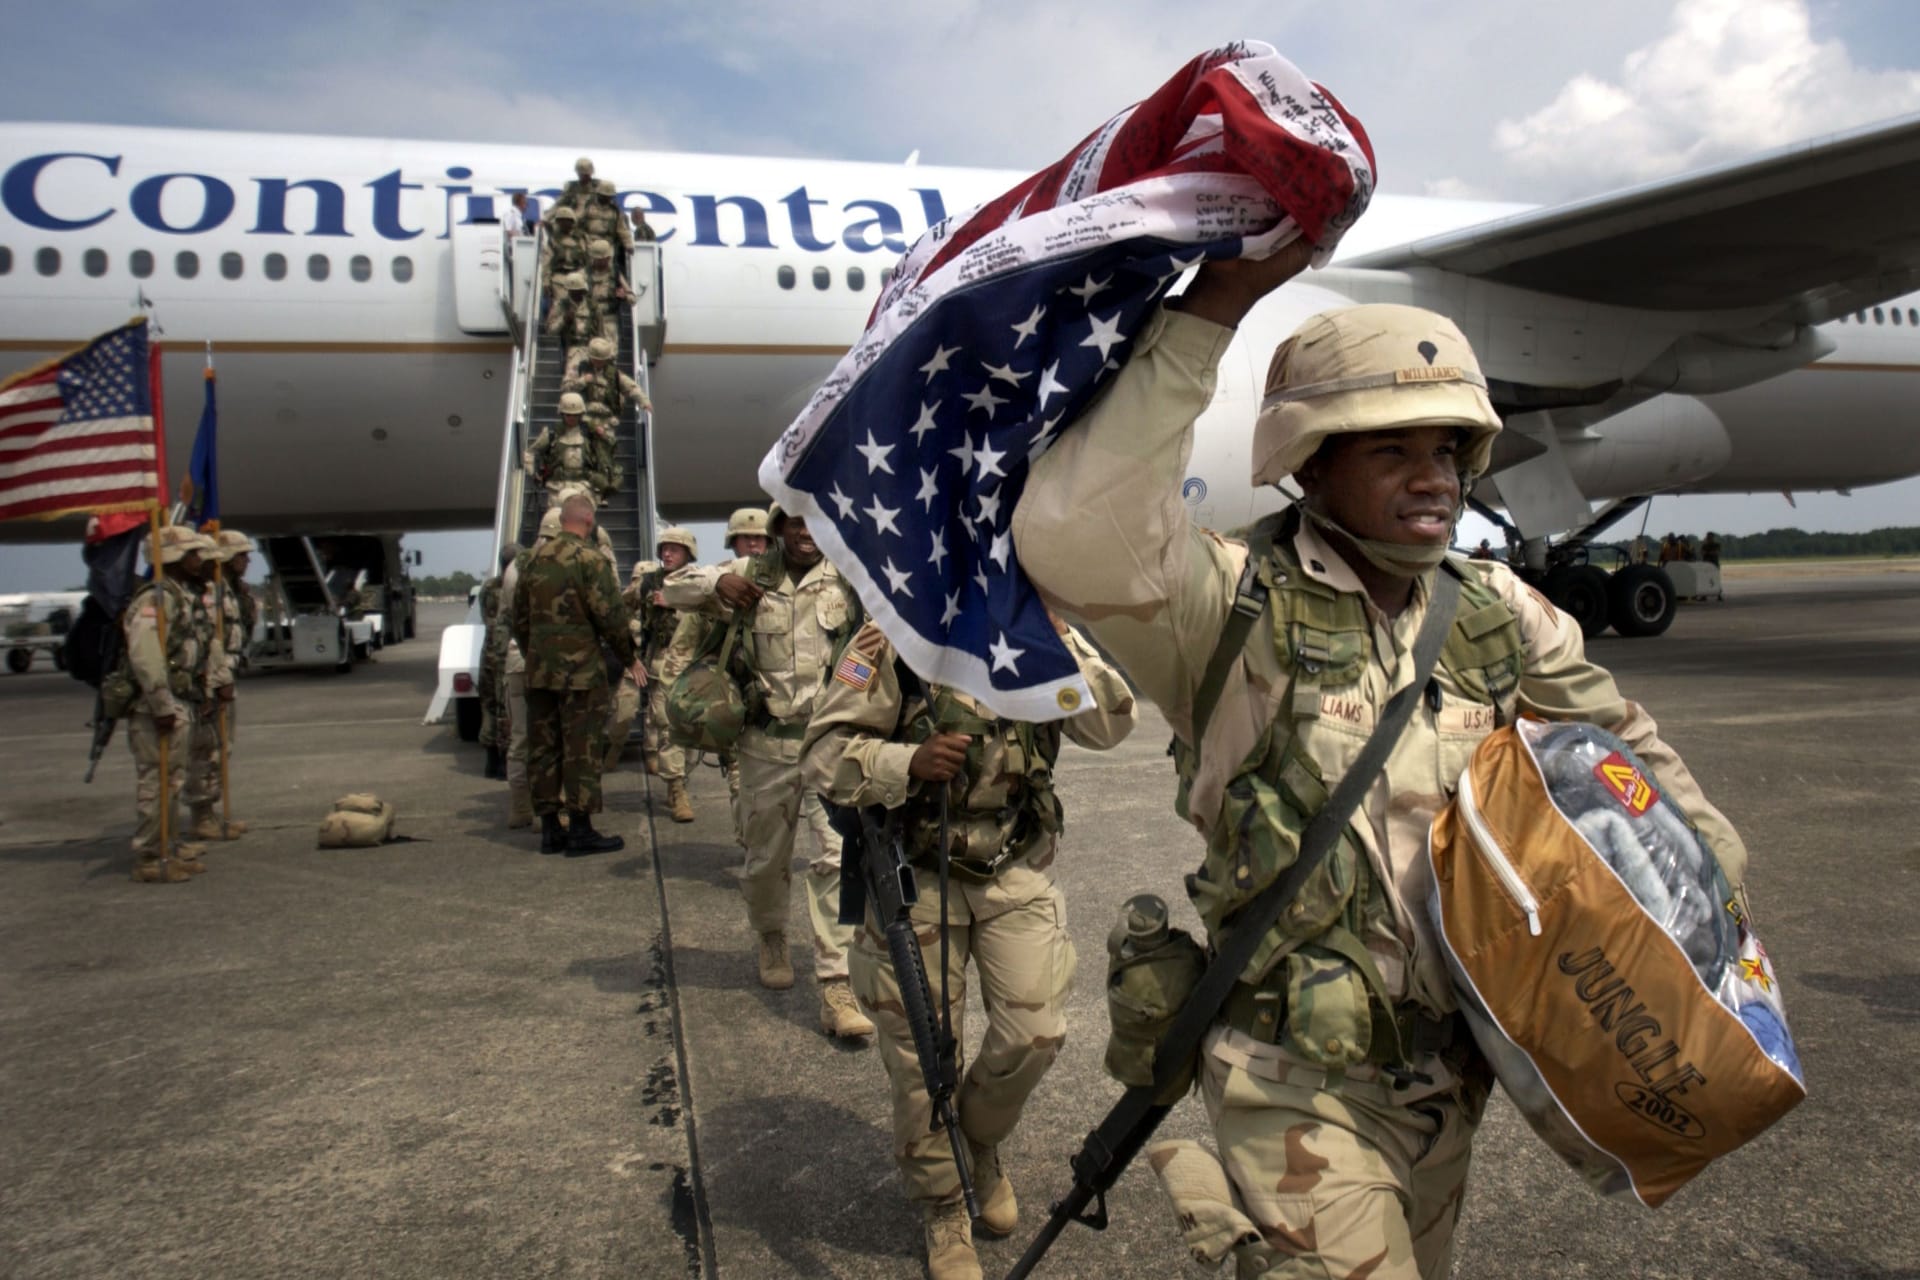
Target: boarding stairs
{"x": 533, "y": 404}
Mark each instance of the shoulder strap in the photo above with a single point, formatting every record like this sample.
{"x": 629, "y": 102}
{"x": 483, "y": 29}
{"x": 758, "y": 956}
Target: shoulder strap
{"x": 1249, "y": 604}
{"x": 1258, "y": 916}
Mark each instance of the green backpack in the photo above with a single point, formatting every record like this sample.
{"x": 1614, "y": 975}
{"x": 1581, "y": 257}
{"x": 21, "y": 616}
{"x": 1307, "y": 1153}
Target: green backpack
{"x": 707, "y": 707}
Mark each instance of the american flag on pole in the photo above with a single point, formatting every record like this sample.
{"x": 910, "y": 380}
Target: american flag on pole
{"x": 77, "y": 434}
{"x": 1003, "y": 323}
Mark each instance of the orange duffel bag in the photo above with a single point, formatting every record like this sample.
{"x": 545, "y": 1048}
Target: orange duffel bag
{"x": 1605, "y": 967}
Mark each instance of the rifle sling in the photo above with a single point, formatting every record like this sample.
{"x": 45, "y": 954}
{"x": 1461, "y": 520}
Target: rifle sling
{"x": 1259, "y": 916}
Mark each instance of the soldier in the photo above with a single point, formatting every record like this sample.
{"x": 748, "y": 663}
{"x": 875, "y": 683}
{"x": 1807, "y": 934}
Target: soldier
{"x": 598, "y": 382}
{"x": 493, "y": 655}
{"x": 607, "y": 286}
{"x": 578, "y": 193}
{"x": 601, "y": 219}
{"x": 746, "y": 537}
{"x": 1379, "y": 413}
{"x": 219, "y": 619}
{"x": 642, "y": 233}
{"x": 513, "y": 671}
{"x": 880, "y": 738}
{"x": 655, "y": 626}
{"x": 801, "y": 610}
{"x": 563, "y": 252}
{"x": 566, "y": 605}
{"x": 572, "y": 457}
{"x": 168, "y": 681}
{"x": 1710, "y": 549}
{"x": 576, "y": 319}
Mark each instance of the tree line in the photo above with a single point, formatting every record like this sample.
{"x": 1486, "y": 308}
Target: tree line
{"x": 1781, "y": 544}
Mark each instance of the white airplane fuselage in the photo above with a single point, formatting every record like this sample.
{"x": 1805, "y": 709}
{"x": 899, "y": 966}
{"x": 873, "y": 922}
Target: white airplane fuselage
{"x": 363, "y": 366}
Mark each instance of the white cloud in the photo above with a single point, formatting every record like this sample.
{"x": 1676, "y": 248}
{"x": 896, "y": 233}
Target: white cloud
{"x": 1729, "y": 77}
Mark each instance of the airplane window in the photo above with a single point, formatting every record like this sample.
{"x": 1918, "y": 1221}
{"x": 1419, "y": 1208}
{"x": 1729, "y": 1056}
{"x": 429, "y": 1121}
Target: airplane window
{"x": 821, "y": 277}
{"x": 186, "y": 264}
{"x": 361, "y": 267}
{"x": 1896, "y": 315}
{"x": 856, "y": 279}
{"x": 785, "y": 276}
{"x": 140, "y": 262}
{"x": 95, "y": 262}
{"x": 318, "y": 267}
{"x": 886, "y": 276}
{"x": 231, "y": 265}
{"x": 402, "y": 269}
{"x": 275, "y": 265}
{"x": 1860, "y": 317}
{"x": 6, "y": 260}
{"x": 1879, "y": 316}
{"x": 1913, "y": 315}
{"x": 47, "y": 262}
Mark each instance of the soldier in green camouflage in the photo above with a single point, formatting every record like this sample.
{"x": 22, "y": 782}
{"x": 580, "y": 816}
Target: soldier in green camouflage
{"x": 493, "y": 655}
{"x": 655, "y": 625}
{"x": 573, "y": 456}
{"x": 598, "y": 382}
{"x": 566, "y": 606}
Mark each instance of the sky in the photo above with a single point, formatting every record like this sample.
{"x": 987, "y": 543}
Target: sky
{"x": 1503, "y": 99}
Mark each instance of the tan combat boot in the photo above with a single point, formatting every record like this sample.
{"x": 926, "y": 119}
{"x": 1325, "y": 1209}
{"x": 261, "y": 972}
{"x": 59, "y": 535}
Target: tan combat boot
{"x": 950, "y": 1253}
{"x": 159, "y": 871}
{"x": 840, "y": 1014}
{"x": 519, "y": 807}
{"x": 776, "y": 966}
{"x": 187, "y": 858}
{"x": 999, "y": 1211}
{"x": 207, "y": 825}
{"x": 682, "y": 802}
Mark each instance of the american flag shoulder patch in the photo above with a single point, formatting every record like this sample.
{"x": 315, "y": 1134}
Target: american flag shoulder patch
{"x": 855, "y": 670}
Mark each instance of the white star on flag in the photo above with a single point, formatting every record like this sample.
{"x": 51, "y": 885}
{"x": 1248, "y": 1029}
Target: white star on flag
{"x": 939, "y": 362}
{"x": 1006, "y": 373}
{"x": 929, "y": 488}
{"x": 1004, "y": 655}
{"x": 980, "y": 578}
{"x": 990, "y": 505}
{"x": 952, "y": 611}
{"x": 1030, "y": 326}
{"x": 963, "y": 451}
{"x": 1085, "y": 292}
{"x": 939, "y": 554}
{"x": 841, "y": 501}
{"x": 926, "y": 422}
{"x": 1001, "y": 545}
{"x": 1050, "y": 386}
{"x": 876, "y": 455}
{"x": 1106, "y": 334}
{"x": 882, "y": 517}
{"x": 984, "y": 399}
{"x": 987, "y": 458}
{"x": 896, "y": 580}
{"x": 1181, "y": 267}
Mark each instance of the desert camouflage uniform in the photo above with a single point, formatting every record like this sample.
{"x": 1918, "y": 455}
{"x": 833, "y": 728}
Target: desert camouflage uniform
{"x": 607, "y": 286}
{"x": 1012, "y": 924}
{"x": 567, "y": 457}
{"x": 654, "y": 627}
{"x": 574, "y": 322}
{"x": 173, "y": 683}
{"x": 210, "y": 625}
{"x": 604, "y": 385}
{"x": 565, "y": 606}
{"x": 493, "y": 653}
{"x": 601, "y": 219}
{"x": 1341, "y": 1173}
{"x": 561, "y": 253}
{"x": 789, "y": 643}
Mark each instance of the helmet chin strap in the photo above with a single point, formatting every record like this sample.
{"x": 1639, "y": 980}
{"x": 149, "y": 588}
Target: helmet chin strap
{"x": 1401, "y": 559}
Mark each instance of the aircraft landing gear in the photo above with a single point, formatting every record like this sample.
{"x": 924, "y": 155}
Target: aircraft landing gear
{"x": 1642, "y": 600}
{"x": 1580, "y": 590}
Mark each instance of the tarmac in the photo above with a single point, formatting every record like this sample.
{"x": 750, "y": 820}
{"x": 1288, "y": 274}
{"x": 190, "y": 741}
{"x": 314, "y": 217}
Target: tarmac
{"x": 455, "y": 1057}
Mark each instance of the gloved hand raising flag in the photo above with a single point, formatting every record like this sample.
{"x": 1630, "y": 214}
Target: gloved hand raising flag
{"x": 1002, "y": 324}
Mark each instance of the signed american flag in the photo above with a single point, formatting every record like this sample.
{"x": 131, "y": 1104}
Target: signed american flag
{"x": 77, "y": 434}
{"x": 1002, "y": 324}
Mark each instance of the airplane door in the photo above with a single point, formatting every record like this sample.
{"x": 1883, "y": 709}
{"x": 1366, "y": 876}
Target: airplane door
{"x": 477, "y": 251}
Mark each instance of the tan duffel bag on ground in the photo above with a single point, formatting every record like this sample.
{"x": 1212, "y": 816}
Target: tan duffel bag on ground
{"x": 358, "y": 821}
{"x": 1607, "y": 971}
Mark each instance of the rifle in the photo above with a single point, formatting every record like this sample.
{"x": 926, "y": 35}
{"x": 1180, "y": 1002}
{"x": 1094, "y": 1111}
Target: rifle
{"x": 883, "y": 878}
{"x": 102, "y": 733}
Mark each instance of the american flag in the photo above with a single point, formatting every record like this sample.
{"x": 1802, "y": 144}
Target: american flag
{"x": 77, "y": 434}
{"x": 1000, "y": 326}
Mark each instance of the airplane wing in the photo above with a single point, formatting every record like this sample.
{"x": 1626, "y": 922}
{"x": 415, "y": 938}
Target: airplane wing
{"x": 1819, "y": 228}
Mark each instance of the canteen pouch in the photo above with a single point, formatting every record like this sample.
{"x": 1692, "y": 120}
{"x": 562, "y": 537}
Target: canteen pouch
{"x": 1329, "y": 1021}
{"x": 1607, "y": 971}
{"x": 1151, "y": 974}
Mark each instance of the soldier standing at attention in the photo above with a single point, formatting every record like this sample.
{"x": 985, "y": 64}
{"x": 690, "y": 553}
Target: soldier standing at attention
{"x": 209, "y": 619}
{"x": 236, "y": 556}
{"x": 873, "y": 742}
{"x": 493, "y": 654}
{"x": 566, "y": 605}
{"x": 167, "y": 683}
{"x": 655, "y": 624}
{"x": 799, "y": 611}
{"x": 598, "y": 382}
{"x": 571, "y": 457}
{"x": 1345, "y": 1150}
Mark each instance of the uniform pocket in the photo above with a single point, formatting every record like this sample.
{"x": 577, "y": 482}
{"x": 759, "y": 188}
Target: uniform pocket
{"x": 1329, "y": 1020}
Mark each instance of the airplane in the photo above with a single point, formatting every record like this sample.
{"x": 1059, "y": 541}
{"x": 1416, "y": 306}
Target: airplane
{"x": 1753, "y": 327}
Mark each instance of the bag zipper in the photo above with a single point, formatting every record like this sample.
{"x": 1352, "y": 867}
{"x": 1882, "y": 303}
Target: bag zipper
{"x": 1503, "y": 870}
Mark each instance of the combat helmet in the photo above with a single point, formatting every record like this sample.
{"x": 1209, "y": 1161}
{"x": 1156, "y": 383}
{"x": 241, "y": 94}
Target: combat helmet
{"x": 550, "y": 523}
{"x": 178, "y": 541}
{"x": 584, "y": 167}
{"x": 574, "y": 282}
{"x": 600, "y": 349}
{"x": 1375, "y": 367}
{"x": 749, "y": 520}
{"x": 567, "y": 212}
{"x": 605, "y": 187}
{"x": 599, "y": 249}
{"x": 573, "y": 402}
{"x": 233, "y": 543}
{"x": 681, "y": 535}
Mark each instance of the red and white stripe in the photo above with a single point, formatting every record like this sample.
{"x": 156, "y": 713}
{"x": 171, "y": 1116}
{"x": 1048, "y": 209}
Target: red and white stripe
{"x": 48, "y": 467}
